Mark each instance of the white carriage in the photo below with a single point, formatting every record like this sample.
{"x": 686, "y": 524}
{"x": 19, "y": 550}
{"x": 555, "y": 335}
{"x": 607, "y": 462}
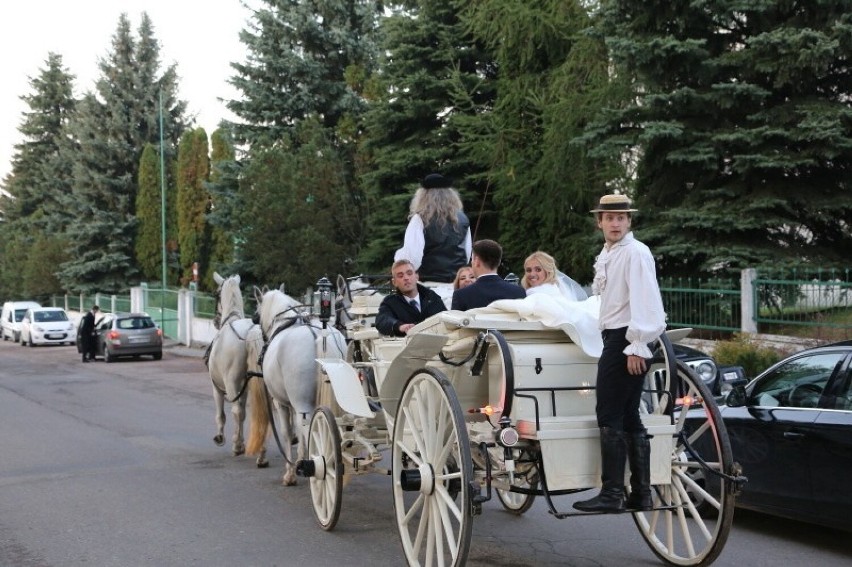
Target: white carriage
{"x": 473, "y": 404}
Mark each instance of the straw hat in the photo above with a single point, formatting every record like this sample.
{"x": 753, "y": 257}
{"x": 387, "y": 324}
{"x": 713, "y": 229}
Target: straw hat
{"x": 614, "y": 204}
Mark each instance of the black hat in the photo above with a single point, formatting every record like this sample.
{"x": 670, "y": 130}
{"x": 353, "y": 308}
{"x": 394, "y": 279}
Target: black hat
{"x": 436, "y": 181}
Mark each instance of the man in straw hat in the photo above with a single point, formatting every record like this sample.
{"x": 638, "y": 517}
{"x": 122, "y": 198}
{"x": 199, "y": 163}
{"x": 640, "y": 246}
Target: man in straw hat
{"x": 631, "y": 316}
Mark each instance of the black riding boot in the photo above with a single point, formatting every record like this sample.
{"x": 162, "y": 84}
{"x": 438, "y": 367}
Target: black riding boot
{"x": 639, "y": 455}
{"x": 611, "y": 497}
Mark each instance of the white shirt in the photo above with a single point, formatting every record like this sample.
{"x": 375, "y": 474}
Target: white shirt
{"x": 415, "y": 241}
{"x": 626, "y": 279}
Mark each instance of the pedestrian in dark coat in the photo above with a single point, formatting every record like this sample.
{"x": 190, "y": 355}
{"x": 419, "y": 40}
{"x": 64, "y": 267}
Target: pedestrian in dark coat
{"x": 88, "y": 335}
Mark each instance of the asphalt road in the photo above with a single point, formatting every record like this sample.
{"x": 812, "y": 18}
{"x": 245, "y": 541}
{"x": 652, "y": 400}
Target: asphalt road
{"x": 114, "y": 465}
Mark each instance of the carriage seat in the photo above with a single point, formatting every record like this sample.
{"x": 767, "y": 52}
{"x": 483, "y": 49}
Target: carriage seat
{"x": 366, "y": 334}
{"x": 366, "y": 304}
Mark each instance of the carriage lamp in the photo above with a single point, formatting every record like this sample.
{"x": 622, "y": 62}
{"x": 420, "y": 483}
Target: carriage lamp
{"x": 324, "y": 290}
{"x": 512, "y": 278}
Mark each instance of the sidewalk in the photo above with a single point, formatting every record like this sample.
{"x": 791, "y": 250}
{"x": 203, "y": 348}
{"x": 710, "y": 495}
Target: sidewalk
{"x": 180, "y": 349}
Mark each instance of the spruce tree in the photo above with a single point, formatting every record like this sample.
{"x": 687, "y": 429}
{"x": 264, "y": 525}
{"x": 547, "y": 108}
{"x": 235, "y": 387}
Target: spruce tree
{"x": 110, "y": 129}
{"x": 38, "y": 179}
{"x": 433, "y": 74}
{"x": 308, "y": 62}
{"x": 742, "y": 128}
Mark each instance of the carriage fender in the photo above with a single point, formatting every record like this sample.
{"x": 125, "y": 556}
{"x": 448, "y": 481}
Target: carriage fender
{"x": 347, "y": 387}
{"x": 419, "y": 350}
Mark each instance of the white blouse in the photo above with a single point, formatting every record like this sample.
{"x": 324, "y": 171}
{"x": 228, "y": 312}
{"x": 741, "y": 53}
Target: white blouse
{"x": 415, "y": 241}
{"x": 626, "y": 279}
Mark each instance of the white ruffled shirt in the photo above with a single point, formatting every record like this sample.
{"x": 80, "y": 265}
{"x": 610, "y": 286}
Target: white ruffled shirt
{"x": 415, "y": 241}
{"x": 626, "y": 280}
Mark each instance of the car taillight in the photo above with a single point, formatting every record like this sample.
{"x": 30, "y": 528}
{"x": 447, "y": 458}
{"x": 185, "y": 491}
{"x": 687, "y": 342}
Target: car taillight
{"x": 112, "y": 335}
{"x": 159, "y": 332}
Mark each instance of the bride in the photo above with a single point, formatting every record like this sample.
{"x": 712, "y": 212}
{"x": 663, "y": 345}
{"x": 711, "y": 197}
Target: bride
{"x": 542, "y": 276}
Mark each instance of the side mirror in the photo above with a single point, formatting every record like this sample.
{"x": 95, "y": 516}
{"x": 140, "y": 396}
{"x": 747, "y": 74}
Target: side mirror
{"x": 736, "y": 397}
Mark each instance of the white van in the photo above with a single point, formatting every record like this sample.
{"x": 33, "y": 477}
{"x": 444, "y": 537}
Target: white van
{"x": 13, "y": 313}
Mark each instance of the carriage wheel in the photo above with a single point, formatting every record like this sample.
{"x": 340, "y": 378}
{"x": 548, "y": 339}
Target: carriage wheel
{"x": 327, "y": 481}
{"x": 694, "y": 530}
{"x": 525, "y": 477}
{"x": 432, "y": 472}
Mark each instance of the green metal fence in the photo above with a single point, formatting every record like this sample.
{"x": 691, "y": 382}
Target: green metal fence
{"x": 162, "y": 306}
{"x": 814, "y": 298}
{"x": 713, "y": 304}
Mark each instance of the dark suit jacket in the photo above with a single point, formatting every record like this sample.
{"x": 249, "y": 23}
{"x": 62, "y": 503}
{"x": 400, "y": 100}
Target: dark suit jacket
{"x": 395, "y": 311}
{"x": 485, "y": 290}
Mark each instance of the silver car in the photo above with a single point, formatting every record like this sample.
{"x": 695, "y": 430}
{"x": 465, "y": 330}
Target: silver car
{"x": 127, "y": 335}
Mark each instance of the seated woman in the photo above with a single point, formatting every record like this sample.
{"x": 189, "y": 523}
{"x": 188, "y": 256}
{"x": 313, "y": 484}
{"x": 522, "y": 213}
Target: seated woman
{"x": 464, "y": 277}
{"x": 542, "y": 276}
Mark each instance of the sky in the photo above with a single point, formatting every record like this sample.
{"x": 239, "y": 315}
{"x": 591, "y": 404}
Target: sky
{"x": 200, "y": 36}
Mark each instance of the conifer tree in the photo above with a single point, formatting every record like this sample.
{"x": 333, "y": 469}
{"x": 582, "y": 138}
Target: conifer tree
{"x": 223, "y": 188}
{"x": 38, "y": 179}
{"x": 193, "y": 200}
{"x": 742, "y": 128}
{"x": 111, "y": 127}
{"x": 552, "y": 76}
{"x": 307, "y": 63}
{"x": 433, "y": 74}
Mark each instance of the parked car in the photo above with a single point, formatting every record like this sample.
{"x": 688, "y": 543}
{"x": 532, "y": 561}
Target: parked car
{"x": 126, "y": 334}
{"x": 12, "y": 315}
{"x": 791, "y": 431}
{"x": 46, "y": 326}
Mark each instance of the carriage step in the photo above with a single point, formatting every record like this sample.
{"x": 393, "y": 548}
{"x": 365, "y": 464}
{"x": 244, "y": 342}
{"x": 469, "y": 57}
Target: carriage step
{"x": 563, "y": 515}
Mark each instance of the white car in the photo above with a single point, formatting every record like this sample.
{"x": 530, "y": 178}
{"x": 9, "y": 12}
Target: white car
{"x": 46, "y": 326}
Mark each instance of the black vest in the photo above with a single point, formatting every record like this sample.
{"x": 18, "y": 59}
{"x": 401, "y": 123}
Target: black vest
{"x": 444, "y": 253}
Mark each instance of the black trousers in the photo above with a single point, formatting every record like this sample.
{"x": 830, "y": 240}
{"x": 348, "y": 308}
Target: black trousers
{"x": 618, "y": 391}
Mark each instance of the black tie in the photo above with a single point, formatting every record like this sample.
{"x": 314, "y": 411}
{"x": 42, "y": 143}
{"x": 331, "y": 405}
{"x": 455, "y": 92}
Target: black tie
{"x": 413, "y": 303}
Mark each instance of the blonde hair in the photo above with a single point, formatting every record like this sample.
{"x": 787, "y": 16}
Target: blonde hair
{"x": 457, "y": 281}
{"x": 439, "y": 204}
{"x": 548, "y": 264}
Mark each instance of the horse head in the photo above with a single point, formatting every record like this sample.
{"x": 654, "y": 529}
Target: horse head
{"x": 275, "y": 307}
{"x": 229, "y": 299}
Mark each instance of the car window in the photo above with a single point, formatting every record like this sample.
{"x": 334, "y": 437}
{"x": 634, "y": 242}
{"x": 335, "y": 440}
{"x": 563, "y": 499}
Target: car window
{"x": 49, "y": 316}
{"x": 798, "y": 383}
{"x": 136, "y": 323}
{"x": 19, "y": 314}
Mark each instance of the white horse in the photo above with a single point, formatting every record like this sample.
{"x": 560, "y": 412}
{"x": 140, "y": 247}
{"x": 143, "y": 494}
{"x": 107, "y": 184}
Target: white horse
{"x": 290, "y": 372}
{"x": 228, "y": 362}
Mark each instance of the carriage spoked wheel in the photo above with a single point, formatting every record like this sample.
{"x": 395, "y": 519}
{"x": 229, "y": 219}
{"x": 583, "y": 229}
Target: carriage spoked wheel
{"x": 432, "y": 472}
{"x": 525, "y": 477}
{"x": 326, "y": 482}
{"x": 697, "y": 506}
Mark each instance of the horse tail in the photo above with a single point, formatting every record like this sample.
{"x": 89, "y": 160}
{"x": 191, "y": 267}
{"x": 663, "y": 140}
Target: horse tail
{"x": 259, "y": 420}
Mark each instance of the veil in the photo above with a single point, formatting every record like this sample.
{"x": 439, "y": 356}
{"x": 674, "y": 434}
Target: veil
{"x": 569, "y": 288}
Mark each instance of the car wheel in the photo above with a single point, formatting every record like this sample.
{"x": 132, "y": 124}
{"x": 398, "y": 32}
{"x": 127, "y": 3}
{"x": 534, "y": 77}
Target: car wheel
{"x": 31, "y": 343}
{"x": 108, "y": 357}
{"x": 158, "y": 355}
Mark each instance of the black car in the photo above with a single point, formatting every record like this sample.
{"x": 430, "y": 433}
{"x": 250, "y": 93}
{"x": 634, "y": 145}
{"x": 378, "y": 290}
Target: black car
{"x": 791, "y": 431}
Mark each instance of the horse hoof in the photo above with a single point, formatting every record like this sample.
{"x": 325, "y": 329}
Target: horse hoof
{"x": 219, "y": 440}
{"x": 262, "y": 464}
{"x": 238, "y": 452}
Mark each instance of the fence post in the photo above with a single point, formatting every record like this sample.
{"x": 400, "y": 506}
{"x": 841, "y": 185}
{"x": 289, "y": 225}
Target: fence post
{"x": 748, "y": 321}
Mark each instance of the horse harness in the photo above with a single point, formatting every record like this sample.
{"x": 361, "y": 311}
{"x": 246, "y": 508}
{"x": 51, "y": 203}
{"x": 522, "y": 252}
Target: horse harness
{"x": 230, "y": 320}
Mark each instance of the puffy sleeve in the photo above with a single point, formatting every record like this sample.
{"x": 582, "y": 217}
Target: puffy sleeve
{"x": 647, "y": 317}
{"x": 413, "y": 243}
